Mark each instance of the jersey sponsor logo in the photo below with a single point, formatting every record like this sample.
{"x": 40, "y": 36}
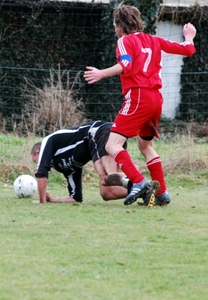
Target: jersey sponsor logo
{"x": 69, "y": 164}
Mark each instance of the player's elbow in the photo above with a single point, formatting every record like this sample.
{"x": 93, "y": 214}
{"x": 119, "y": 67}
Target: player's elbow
{"x": 105, "y": 195}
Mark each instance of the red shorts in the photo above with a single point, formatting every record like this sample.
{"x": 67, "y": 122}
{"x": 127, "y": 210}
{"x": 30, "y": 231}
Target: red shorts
{"x": 140, "y": 114}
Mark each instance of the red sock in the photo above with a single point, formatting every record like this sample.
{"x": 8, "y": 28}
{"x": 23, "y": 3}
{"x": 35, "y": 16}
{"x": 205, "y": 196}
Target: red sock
{"x": 156, "y": 171}
{"x": 126, "y": 164}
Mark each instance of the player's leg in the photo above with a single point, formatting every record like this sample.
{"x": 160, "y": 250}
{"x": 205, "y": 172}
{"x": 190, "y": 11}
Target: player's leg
{"x": 154, "y": 165}
{"x": 148, "y": 131}
{"x": 140, "y": 184}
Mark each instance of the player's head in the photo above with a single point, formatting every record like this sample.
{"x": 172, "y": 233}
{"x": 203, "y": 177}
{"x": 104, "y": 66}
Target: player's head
{"x": 128, "y": 19}
{"x": 35, "y": 152}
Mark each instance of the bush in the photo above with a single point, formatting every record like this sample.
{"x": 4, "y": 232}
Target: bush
{"x": 53, "y": 107}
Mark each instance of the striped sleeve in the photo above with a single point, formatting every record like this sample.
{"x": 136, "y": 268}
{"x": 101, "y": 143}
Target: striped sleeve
{"x": 124, "y": 57}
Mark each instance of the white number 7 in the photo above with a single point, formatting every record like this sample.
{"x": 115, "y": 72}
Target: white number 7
{"x": 148, "y": 59}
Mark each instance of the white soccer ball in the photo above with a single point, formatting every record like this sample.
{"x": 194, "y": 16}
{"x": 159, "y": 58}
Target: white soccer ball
{"x": 25, "y": 186}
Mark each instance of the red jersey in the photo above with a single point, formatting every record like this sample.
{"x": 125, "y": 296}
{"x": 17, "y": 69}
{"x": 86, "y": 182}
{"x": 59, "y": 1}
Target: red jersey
{"x": 140, "y": 55}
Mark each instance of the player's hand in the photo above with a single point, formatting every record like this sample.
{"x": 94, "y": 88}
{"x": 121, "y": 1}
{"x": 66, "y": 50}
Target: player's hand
{"x": 48, "y": 199}
{"x": 189, "y": 32}
{"x": 36, "y": 202}
{"x": 93, "y": 75}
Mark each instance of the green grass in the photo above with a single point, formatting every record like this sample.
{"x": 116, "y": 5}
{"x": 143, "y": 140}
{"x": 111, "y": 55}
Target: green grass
{"x": 104, "y": 250}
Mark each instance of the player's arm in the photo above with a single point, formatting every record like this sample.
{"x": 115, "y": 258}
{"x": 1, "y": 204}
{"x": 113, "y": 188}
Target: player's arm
{"x": 49, "y": 198}
{"x": 66, "y": 199}
{"x": 43, "y": 159}
{"x": 44, "y": 196}
{"x": 186, "y": 48}
{"x": 93, "y": 75}
{"x": 42, "y": 186}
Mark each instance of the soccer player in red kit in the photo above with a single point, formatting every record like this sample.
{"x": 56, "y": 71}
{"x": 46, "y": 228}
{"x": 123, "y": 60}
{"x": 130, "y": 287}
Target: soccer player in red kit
{"x": 139, "y": 64}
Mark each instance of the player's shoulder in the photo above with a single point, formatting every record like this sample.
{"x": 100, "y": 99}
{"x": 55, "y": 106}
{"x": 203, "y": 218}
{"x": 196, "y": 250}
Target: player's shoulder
{"x": 137, "y": 37}
{"x": 147, "y": 36}
{"x": 154, "y": 41}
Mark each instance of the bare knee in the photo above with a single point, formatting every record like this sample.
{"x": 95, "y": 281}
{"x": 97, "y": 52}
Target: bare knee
{"x": 145, "y": 147}
{"x": 143, "y": 150}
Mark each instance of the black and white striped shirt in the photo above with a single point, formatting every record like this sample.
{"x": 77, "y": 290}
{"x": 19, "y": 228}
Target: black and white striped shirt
{"x": 66, "y": 150}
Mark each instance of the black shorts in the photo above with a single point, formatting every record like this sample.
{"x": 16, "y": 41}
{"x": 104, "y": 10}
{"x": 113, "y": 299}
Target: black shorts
{"x": 98, "y": 142}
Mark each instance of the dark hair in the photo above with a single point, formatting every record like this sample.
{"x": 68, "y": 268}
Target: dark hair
{"x": 128, "y": 18}
{"x": 36, "y": 147}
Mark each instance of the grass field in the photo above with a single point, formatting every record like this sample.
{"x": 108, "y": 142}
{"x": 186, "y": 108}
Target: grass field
{"x": 103, "y": 250}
